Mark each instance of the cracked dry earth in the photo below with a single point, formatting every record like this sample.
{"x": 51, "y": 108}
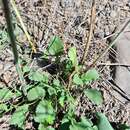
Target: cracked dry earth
{"x": 71, "y": 20}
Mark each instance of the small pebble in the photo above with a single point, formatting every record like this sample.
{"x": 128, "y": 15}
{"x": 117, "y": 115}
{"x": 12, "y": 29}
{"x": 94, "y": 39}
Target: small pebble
{"x": 113, "y": 14}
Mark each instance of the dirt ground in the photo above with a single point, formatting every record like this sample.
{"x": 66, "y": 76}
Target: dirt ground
{"x": 70, "y": 20}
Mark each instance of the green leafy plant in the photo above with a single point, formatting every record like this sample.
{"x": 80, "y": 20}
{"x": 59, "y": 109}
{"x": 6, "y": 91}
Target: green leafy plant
{"x": 46, "y": 95}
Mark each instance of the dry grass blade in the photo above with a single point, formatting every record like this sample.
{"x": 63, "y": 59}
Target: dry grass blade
{"x": 23, "y": 26}
{"x": 92, "y": 22}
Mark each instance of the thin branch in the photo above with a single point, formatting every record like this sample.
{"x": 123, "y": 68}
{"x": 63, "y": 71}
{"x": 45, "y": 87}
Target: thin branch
{"x": 113, "y": 64}
{"x": 88, "y": 42}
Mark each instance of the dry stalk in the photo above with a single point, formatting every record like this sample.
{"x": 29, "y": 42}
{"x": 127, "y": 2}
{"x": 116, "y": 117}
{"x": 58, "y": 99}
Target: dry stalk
{"x": 23, "y": 26}
{"x": 70, "y": 79}
{"x": 113, "y": 64}
{"x": 92, "y": 22}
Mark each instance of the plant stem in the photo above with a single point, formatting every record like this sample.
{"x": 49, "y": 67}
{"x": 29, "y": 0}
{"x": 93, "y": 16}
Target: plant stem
{"x": 88, "y": 42}
{"x": 70, "y": 79}
{"x": 113, "y": 64}
{"x": 12, "y": 38}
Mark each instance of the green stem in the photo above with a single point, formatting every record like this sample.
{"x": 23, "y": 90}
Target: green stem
{"x": 12, "y": 38}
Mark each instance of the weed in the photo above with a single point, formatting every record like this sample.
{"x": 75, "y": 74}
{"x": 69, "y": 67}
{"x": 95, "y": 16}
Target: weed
{"x": 46, "y": 95}
{"x": 42, "y": 87}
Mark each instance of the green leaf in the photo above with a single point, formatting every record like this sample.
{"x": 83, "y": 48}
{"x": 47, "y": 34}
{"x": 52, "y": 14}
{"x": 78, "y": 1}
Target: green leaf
{"x": 51, "y": 91}
{"x": 19, "y": 116}
{"x": 68, "y": 65}
{"x": 73, "y": 56}
{"x": 35, "y": 93}
{"x": 38, "y": 76}
{"x": 94, "y": 95}
{"x": 5, "y": 94}
{"x": 90, "y": 75}
{"x": 56, "y": 82}
{"x": 103, "y": 123}
{"x": 56, "y": 46}
{"x": 62, "y": 100}
{"x": 42, "y": 127}
{"x": 3, "y": 107}
{"x": 26, "y": 69}
{"x": 50, "y": 128}
{"x": 45, "y": 112}
{"x": 77, "y": 80}
{"x": 84, "y": 124}
{"x": 18, "y": 93}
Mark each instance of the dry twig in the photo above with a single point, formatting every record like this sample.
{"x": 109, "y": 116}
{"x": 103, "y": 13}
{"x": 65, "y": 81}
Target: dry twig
{"x": 113, "y": 64}
{"x": 92, "y": 22}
